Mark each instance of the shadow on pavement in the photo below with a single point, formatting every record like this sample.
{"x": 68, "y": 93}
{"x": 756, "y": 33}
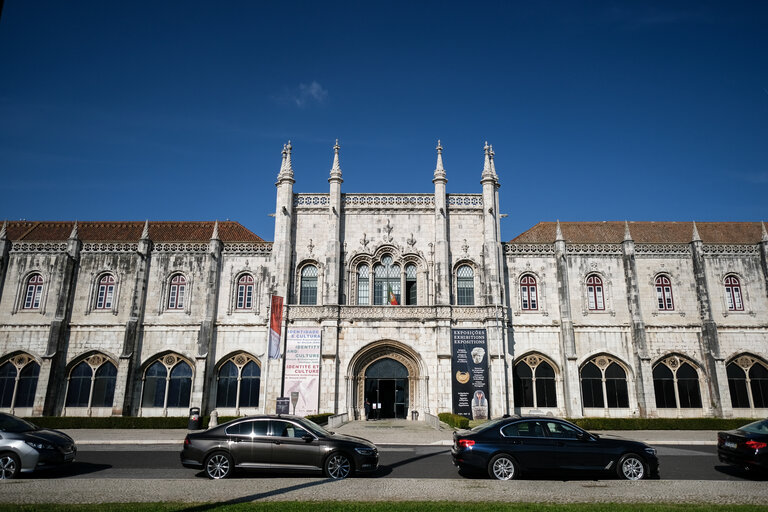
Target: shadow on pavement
{"x": 70, "y": 470}
{"x": 257, "y": 496}
{"x": 739, "y": 472}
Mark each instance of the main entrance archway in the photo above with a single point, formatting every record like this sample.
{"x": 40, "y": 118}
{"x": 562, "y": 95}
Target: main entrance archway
{"x": 388, "y": 373}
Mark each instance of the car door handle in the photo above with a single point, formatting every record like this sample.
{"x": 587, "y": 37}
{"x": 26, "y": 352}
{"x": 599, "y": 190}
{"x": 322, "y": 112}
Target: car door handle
{"x": 516, "y": 441}
{"x": 276, "y": 442}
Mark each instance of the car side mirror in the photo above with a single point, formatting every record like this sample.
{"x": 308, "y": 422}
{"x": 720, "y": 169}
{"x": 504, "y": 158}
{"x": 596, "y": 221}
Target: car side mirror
{"x": 583, "y": 436}
{"x": 308, "y": 438}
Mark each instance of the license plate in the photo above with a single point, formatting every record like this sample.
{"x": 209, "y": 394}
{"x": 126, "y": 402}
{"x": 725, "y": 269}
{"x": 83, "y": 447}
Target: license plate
{"x": 730, "y": 444}
{"x": 69, "y": 456}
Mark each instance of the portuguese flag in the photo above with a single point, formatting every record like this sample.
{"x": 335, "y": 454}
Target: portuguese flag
{"x": 392, "y": 297}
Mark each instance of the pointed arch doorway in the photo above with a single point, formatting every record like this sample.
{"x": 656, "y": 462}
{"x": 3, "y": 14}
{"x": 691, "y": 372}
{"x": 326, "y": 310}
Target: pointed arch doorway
{"x": 386, "y": 385}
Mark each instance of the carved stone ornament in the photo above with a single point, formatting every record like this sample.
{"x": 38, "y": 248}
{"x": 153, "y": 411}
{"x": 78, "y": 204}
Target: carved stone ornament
{"x": 411, "y": 241}
{"x": 533, "y": 360}
{"x": 310, "y": 246}
{"x": 745, "y": 362}
{"x": 96, "y": 360}
{"x": 388, "y": 228}
{"x": 364, "y": 241}
{"x": 21, "y": 360}
{"x": 465, "y": 248}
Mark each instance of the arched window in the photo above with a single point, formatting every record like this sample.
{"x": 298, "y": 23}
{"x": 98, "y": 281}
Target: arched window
{"x": 18, "y": 381}
{"x": 595, "y": 293}
{"x": 106, "y": 292}
{"x": 529, "y": 300}
{"x": 177, "y": 292}
{"x": 239, "y": 380}
{"x": 308, "y": 291}
{"x": 676, "y": 384}
{"x": 410, "y": 285}
{"x": 534, "y": 383}
{"x": 465, "y": 286}
{"x": 34, "y": 292}
{"x": 733, "y": 295}
{"x": 748, "y": 382}
{"x": 386, "y": 282}
{"x": 167, "y": 383}
{"x": 245, "y": 292}
{"x": 363, "y": 286}
{"x": 604, "y": 383}
{"x": 664, "y": 294}
{"x": 89, "y": 388}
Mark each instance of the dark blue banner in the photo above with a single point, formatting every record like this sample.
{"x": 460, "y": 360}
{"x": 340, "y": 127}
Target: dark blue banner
{"x": 469, "y": 373}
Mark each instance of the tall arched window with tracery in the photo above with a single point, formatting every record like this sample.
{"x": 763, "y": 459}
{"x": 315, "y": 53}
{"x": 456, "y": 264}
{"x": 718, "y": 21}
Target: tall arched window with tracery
{"x": 167, "y": 383}
{"x": 534, "y": 383}
{"x": 92, "y": 383}
{"x": 177, "y": 292}
{"x": 238, "y": 382}
{"x": 664, "y": 294}
{"x": 676, "y": 384}
{"x": 595, "y": 297}
{"x": 105, "y": 294}
{"x": 529, "y": 298}
{"x": 308, "y": 287}
{"x": 733, "y": 296}
{"x": 245, "y": 292}
{"x": 363, "y": 286}
{"x": 748, "y": 382}
{"x": 604, "y": 383}
{"x": 465, "y": 286}
{"x": 18, "y": 381}
{"x": 386, "y": 282}
{"x": 33, "y": 293}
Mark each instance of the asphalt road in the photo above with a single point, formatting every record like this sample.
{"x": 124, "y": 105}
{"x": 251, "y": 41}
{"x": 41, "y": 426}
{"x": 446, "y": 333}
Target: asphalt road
{"x": 697, "y": 463}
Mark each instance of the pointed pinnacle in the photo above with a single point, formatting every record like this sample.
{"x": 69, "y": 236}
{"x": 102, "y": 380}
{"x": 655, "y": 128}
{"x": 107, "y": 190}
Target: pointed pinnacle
{"x": 627, "y": 235}
{"x": 764, "y": 237}
{"x": 487, "y": 164}
{"x": 73, "y": 234}
{"x": 4, "y": 230}
{"x": 215, "y": 235}
{"x": 336, "y": 167}
{"x": 559, "y": 233}
{"x": 695, "y": 237}
{"x": 145, "y": 232}
{"x": 439, "y": 169}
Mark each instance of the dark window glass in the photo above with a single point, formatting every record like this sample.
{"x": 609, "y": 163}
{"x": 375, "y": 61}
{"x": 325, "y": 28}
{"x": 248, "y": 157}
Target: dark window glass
{"x": 180, "y": 385}
{"x": 308, "y": 292}
{"x": 616, "y": 386}
{"x": 7, "y": 383}
{"x": 465, "y": 286}
{"x": 410, "y": 285}
{"x": 79, "y": 385}
{"x": 244, "y": 428}
{"x": 154, "y": 386}
{"x": 737, "y": 384}
{"x": 363, "y": 285}
{"x": 249, "y": 385}
{"x": 688, "y": 386}
{"x": 758, "y": 376}
{"x": 561, "y": 430}
{"x": 386, "y": 369}
{"x": 287, "y": 429}
{"x": 592, "y": 385}
{"x": 524, "y": 429}
{"x": 664, "y": 387}
{"x": 226, "y": 391}
{"x": 523, "y": 382}
{"x": 25, "y": 395}
{"x": 545, "y": 386}
{"x": 104, "y": 385}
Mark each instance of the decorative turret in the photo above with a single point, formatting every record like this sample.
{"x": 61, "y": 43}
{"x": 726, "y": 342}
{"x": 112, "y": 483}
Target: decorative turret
{"x": 559, "y": 233}
{"x": 439, "y": 169}
{"x": 695, "y": 237}
{"x": 145, "y": 231}
{"x": 627, "y": 234}
{"x": 442, "y": 253}
{"x": 487, "y": 170}
{"x": 73, "y": 244}
{"x": 336, "y": 168}
{"x": 286, "y": 168}
{"x": 762, "y": 224}
{"x": 333, "y": 252}
{"x": 4, "y": 230}
{"x": 215, "y": 234}
{"x": 491, "y": 244}
{"x": 281, "y": 247}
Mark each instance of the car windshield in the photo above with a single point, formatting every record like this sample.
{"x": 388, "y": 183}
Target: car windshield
{"x": 488, "y": 424}
{"x": 758, "y": 427}
{"x": 315, "y": 428}
{"x": 15, "y": 425}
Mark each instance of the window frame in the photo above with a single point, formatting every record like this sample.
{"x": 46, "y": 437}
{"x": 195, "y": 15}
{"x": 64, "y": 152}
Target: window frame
{"x": 32, "y": 297}
{"x": 304, "y": 299}
{"x": 247, "y": 284}
{"x": 595, "y": 283}
{"x": 462, "y": 298}
{"x": 529, "y": 287}
{"x": 734, "y": 295}
{"x": 603, "y": 363}
{"x": 177, "y": 286}
{"x": 106, "y": 302}
{"x": 664, "y": 297}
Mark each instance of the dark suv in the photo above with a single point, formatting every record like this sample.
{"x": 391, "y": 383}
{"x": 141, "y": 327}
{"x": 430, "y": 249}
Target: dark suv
{"x": 277, "y": 443}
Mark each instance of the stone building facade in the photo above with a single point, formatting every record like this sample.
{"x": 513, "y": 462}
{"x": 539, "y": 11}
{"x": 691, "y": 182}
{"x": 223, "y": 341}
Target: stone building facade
{"x": 658, "y": 319}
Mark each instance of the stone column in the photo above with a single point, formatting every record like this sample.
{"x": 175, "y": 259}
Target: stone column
{"x": 206, "y": 341}
{"x": 442, "y": 262}
{"x": 571, "y": 382}
{"x": 5, "y": 250}
{"x": 282, "y": 246}
{"x": 333, "y": 259}
{"x": 763, "y": 245}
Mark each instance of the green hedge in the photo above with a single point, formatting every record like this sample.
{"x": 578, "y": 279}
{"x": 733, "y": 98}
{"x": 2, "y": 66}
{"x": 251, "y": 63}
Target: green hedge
{"x": 110, "y": 422}
{"x": 454, "y": 420}
{"x": 661, "y": 423}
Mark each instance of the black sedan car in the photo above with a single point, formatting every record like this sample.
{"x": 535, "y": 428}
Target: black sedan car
{"x": 25, "y": 447}
{"x": 508, "y": 446}
{"x": 277, "y": 443}
{"x": 746, "y": 446}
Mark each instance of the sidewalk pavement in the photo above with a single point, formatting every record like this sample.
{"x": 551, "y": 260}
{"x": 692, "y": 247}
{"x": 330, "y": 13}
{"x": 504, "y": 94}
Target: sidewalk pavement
{"x": 381, "y": 432}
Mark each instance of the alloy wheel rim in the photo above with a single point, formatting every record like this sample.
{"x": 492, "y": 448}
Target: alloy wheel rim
{"x": 7, "y": 467}
{"x": 503, "y": 469}
{"x": 338, "y": 467}
{"x": 633, "y": 469}
{"x": 218, "y": 466}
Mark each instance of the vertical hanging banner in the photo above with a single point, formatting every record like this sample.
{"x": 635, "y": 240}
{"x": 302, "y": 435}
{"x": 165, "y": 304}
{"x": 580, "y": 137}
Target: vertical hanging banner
{"x": 469, "y": 373}
{"x": 302, "y": 368}
{"x": 275, "y": 321}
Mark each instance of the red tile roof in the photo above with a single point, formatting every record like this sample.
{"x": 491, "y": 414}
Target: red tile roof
{"x": 31, "y": 231}
{"x": 643, "y": 232}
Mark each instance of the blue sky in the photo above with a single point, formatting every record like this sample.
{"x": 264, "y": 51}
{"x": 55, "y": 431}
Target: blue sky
{"x": 179, "y": 110}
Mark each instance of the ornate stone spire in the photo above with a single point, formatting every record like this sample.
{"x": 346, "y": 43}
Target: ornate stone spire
{"x": 336, "y": 168}
{"x": 487, "y": 172}
{"x": 215, "y": 235}
{"x": 559, "y": 233}
{"x": 4, "y": 230}
{"x": 695, "y": 237}
{"x": 764, "y": 237}
{"x": 145, "y": 232}
{"x": 627, "y": 234}
{"x": 74, "y": 235}
{"x": 286, "y": 169}
{"x": 439, "y": 169}
{"x": 493, "y": 164}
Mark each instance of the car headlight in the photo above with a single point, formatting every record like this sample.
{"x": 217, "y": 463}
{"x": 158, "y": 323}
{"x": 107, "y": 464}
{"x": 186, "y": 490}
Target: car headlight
{"x": 650, "y": 451}
{"x": 365, "y": 451}
{"x": 38, "y": 445}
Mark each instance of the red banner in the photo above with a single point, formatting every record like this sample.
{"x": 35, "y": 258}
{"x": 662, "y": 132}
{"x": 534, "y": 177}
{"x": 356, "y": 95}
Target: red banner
{"x": 275, "y": 322}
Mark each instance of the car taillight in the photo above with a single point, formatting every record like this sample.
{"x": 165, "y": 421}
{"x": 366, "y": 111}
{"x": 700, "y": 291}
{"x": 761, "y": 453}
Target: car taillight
{"x": 755, "y": 445}
{"x": 186, "y": 441}
{"x": 466, "y": 443}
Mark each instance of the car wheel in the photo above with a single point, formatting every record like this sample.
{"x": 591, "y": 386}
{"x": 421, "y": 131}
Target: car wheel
{"x": 9, "y": 466}
{"x": 631, "y": 467}
{"x": 503, "y": 467}
{"x": 218, "y": 465}
{"x": 337, "y": 466}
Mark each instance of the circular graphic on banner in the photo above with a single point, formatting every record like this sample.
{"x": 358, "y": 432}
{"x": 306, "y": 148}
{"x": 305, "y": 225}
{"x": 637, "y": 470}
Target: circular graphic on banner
{"x": 462, "y": 377}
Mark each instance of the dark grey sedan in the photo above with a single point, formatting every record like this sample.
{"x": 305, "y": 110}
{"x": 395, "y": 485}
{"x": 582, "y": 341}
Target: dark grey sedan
{"x": 25, "y": 447}
{"x": 277, "y": 443}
